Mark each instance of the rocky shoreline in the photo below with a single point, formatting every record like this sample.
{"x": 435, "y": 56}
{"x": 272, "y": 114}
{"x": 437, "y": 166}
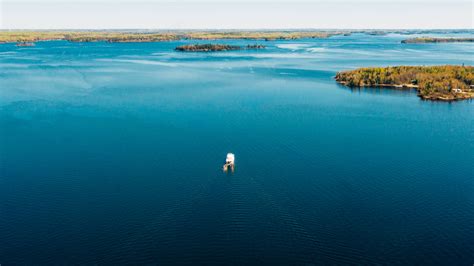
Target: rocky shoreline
{"x": 432, "y": 97}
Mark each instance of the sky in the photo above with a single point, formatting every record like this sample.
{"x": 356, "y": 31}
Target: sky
{"x": 235, "y": 14}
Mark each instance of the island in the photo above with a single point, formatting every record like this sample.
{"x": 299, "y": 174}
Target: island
{"x": 206, "y": 47}
{"x": 214, "y": 47}
{"x": 443, "y": 83}
{"x": 436, "y": 40}
{"x": 25, "y": 44}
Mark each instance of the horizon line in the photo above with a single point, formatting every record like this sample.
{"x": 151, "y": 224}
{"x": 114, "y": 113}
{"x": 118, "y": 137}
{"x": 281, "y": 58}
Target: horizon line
{"x": 231, "y": 29}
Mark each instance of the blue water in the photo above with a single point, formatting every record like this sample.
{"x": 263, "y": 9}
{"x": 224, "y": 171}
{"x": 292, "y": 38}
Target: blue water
{"x": 112, "y": 153}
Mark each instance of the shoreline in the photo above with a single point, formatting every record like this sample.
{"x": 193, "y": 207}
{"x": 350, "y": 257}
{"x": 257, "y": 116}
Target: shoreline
{"x": 119, "y": 37}
{"x": 411, "y": 87}
{"x": 137, "y": 35}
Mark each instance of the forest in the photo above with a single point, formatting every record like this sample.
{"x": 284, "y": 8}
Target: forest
{"x": 447, "y": 82}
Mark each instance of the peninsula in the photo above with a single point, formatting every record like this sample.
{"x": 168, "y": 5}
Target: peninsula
{"x": 436, "y": 40}
{"x": 214, "y": 47}
{"x": 444, "y": 83}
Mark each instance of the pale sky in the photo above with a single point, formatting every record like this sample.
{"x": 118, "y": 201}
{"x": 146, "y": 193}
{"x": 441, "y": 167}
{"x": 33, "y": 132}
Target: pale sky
{"x": 234, "y": 14}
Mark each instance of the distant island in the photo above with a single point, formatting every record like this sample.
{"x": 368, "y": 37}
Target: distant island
{"x": 25, "y": 44}
{"x": 214, "y": 47}
{"x": 117, "y": 36}
{"x": 444, "y": 83}
{"x": 436, "y": 40}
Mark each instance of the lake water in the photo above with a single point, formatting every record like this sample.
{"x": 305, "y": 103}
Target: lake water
{"x": 112, "y": 153}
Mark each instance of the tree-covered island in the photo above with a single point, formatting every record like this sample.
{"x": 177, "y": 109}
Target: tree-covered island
{"x": 215, "y": 47}
{"x": 444, "y": 83}
{"x": 436, "y": 40}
